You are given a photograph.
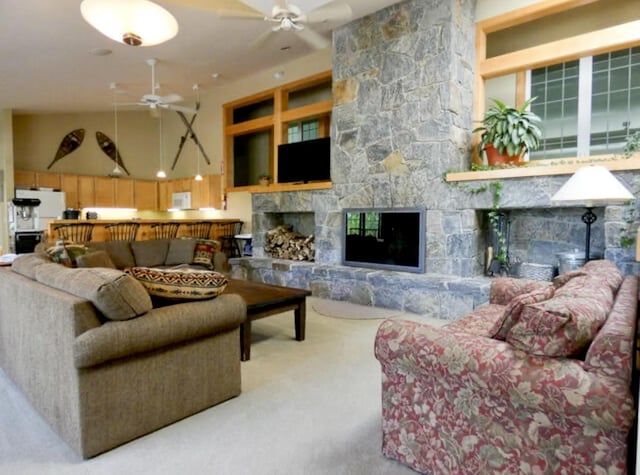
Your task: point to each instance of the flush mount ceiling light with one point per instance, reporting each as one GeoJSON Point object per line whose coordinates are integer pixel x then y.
{"type": "Point", "coordinates": [132, 22]}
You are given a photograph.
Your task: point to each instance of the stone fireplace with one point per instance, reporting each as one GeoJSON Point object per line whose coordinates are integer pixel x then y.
{"type": "Point", "coordinates": [403, 94]}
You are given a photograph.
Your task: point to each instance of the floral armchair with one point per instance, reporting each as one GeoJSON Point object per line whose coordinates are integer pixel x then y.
{"type": "Point", "coordinates": [536, 381]}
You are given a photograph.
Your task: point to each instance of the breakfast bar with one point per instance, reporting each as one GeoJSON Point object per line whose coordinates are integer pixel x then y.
{"type": "Point", "coordinates": [146, 229]}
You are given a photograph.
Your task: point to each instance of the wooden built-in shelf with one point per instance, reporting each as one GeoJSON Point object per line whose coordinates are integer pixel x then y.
{"type": "Point", "coordinates": [551, 167]}
{"type": "Point", "coordinates": [279, 187]}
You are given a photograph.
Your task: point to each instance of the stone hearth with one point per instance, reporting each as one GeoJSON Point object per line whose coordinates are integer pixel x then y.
{"type": "Point", "coordinates": [403, 94]}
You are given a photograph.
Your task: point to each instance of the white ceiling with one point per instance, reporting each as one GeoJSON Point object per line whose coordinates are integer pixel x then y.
{"type": "Point", "coordinates": [46, 64]}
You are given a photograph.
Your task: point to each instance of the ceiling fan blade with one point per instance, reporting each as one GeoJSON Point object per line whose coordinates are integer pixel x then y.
{"type": "Point", "coordinates": [169, 98]}
{"type": "Point", "coordinates": [313, 38]}
{"type": "Point", "coordinates": [264, 38]}
{"type": "Point", "coordinates": [329, 12]}
{"type": "Point", "coordinates": [183, 109]}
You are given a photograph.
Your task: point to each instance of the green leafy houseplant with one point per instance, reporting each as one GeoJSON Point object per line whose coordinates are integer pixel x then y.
{"type": "Point", "coordinates": [511, 131]}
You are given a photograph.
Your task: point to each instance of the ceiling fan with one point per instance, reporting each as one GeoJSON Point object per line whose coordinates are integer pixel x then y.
{"type": "Point", "coordinates": [155, 101]}
{"type": "Point", "coordinates": [285, 16]}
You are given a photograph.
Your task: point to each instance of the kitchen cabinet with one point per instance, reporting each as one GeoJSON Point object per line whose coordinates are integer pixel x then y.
{"type": "Point", "coordinates": [104, 192]}
{"type": "Point", "coordinates": [27, 179]}
{"type": "Point", "coordinates": [145, 194]}
{"type": "Point", "coordinates": [86, 191]}
{"type": "Point", "coordinates": [124, 192]}
{"type": "Point", "coordinates": [69, 184]}
{"type": "Point", "coordinates": [22, 179]}
{"type": "Point", "coordinates": [164, 201]}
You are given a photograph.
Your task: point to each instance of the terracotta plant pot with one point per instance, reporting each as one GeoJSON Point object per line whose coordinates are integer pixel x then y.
{"type": "Point", "coordinates": [495, 159]}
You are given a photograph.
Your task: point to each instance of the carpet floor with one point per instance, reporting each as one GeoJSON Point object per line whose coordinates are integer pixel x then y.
{"type": "Point", "coordinates": [310, 407]}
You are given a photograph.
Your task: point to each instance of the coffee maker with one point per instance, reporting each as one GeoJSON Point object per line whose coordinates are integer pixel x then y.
{"type": "Point", "coordinates": [24, 225]}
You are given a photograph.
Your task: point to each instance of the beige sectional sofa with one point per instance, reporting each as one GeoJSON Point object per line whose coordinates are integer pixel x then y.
{"type": "Point", "coordinates": [100, 364]}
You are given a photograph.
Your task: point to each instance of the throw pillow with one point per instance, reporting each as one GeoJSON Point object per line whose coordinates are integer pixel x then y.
{"type": "Point", "coordinates": [558, 327]}
{"type": "Point", "coordinates": [66, 253]}
{"type": "Point", "coordinates": [150, 253]}
{"type": "Point", "coordinates": [606, 271]}
{"type": "Point", "coordinates": [95, 259]}
{"type": "Point", "coordinates": [184, 284]}
{"type": "Point", "coordinates": [513, 310]}
{"type": "Point", "coordinates": [204, 253]}
{"type": "Point", "coordinates": [116, 295]}
{"type": "Point", "coordinates": [180, 252]}
{"type": "Point", "coordinates": [562, 279]}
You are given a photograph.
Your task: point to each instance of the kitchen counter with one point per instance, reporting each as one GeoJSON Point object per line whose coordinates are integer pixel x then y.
{"type": "Point", "coordinates": [145, 232]}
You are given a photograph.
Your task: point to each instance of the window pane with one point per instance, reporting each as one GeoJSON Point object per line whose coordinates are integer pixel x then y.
{"type": "Point", "coordinates": [615, 111]}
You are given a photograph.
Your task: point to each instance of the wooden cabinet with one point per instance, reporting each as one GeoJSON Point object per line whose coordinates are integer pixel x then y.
{"type": "Point", "coordinates": [204, 194]}
{"type": "Point", "coordinates": [86, 191]}
{"type": "Point", "coordinates": [124, 193]}
{"type": "Point", "coordinates": [69, 184]}
{"type": "Point", "coordinates": [105, 193]}
{"type": "Point", "coordinates": [26, 179]}
{"type": "Point", "coordinates": [164, 198]}
{"type": "Point", "coordinates": [145, 194]}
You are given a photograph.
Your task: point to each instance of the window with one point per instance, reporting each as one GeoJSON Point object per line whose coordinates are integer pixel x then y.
{"type": "Point", "coordinates": [588, 106]}
{"type": "Point", "coordinates": [303, 130]}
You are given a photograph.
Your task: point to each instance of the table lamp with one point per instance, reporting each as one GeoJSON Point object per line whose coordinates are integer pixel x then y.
{"type": "Point", "coordinates": [592, 185]}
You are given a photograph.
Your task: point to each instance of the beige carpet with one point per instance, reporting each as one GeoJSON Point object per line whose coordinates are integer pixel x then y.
{"type": "Point", "coordinates": [310, 407]}
{"type": "Point", "coordinates": [337, 309]}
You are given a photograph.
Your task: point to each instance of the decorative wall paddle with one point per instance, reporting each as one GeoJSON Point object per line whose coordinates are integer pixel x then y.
{"type": "Point", "coordinates": [69, 143]}
{"type": "Point", "coordinates": [109, 148]}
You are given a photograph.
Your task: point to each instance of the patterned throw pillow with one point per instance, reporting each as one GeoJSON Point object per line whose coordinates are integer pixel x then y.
{"type": "Point", "coordinates": [558, 327]}
{"type": "Point", "coordinates": [513, 310]}
{"type": "Point", "coordinates": [66, 253]}
{"type": "Point", "coordinates": [183, 284]}
{"type": "Point", "coordinates": [204, 252]}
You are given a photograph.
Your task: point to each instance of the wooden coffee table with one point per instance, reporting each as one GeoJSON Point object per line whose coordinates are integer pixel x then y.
{"type": "Point", "coordinates": [264, 300]}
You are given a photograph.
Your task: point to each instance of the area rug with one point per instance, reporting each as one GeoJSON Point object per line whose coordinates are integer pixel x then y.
{"type": "Point", "coordinates": [338, 309]}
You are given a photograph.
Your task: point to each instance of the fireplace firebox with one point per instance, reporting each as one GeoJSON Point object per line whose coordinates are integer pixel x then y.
{"type": "Point", "coordinates": [390, 238]}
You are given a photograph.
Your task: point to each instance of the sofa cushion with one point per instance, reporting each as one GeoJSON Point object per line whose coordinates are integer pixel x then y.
{"type": "Point", "coordinates": [66, 253]}
{"type": "Point", "coordinates": [119, 252]}
{"type": "Point", "coordinates": [560, 326]}
{"type": "Point", "coordinates": [150, 253]}
{"type": "Point", "coordinates": [115, 294]}
{"type": "Point", "coordinates": [562, 279]}
{"type": "Point", "coordinates": [95, 259]}
{"type": "Point", "coordinates": [513, 310]}
{"type": "Point", "coordinates": [181, 284]}
{"type": "Point", "coordinates": [180, 252]}
{"type": "Point", "coordinates": [204, 253]}
{"type": "Point", "coordinates": [25, 264]}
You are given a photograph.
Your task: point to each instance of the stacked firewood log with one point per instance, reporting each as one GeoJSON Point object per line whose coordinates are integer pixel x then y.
{"type": "Point", "coordinates": [284, 243]}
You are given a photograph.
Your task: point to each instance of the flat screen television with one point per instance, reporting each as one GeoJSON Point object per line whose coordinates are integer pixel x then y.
{"type": "Point", "coordinates": [305, 161]}
{"type": "Point", "coordinates": [389, 238]}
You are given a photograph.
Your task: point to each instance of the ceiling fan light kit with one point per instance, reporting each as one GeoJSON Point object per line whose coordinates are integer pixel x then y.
{"type": "Point", "coordinates": [131, 22]}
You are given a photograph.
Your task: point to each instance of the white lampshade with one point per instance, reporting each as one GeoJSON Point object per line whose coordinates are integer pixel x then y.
{"type": "Point", "coordinates": [591, 186]}
{"type": "Point", "coordinates": [132, 22]}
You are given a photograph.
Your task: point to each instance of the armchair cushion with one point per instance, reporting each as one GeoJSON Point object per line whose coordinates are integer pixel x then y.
{"type": "Point", "coordinates": [513, 310]}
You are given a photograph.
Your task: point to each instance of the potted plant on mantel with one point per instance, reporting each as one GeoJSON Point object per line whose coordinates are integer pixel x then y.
{"type": "Point", "coordinates": [264, 180]}
{"type": "Point", "coordinates": [508, 133]}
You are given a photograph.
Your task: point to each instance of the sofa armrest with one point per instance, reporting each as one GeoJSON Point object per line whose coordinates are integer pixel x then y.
{"type": "Point", "coordinates": [504, 289]}
{"type": "Point", "coordinates": [493, 369]}
{"type": "Point", "coordinates": [159, 328]}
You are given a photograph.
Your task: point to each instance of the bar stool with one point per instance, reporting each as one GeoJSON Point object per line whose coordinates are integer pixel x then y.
{"type": "Point", "coordinates": [226, 233]}
{"type": "Point", "coordinates": [165, 230]}
{"type": "Point", "coordinates": [122, 231]}
{"type": "Point", "coordinates": [74, 232]}
{"type": "Point", "coordinates": [199, 229]}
